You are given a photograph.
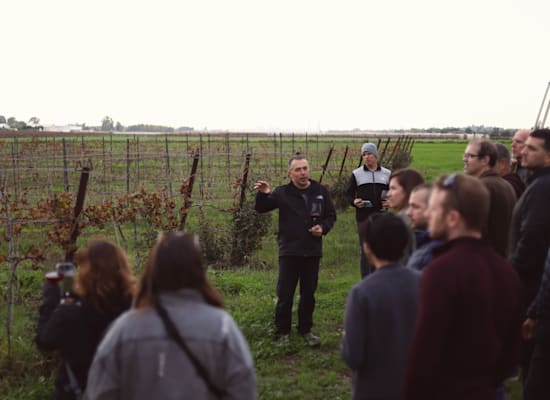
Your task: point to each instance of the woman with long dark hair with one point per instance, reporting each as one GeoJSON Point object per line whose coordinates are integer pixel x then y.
{"type": "Point", "coordinates": [177, 342]}
{"type": "Point", "coordinates": [74, 324]}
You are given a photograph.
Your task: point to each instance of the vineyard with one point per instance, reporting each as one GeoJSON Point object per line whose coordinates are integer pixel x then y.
{"type": "Point", "coordinates": [56, 192]}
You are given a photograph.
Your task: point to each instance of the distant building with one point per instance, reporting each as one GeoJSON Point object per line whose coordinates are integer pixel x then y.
{"type": "Point", "coordinates": [63, 128]}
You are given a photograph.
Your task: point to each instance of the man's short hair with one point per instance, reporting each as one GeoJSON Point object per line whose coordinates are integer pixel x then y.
{"type": "Point", "coordinates": [295, 157]}
{"type": "Point", "coordinates": [386, 235]}
{"type": "Point", "coordinates": [503, 153]}
{"type": "Point", "coordinates": [469, 196]}
{"type": "Point", "coordinates": [487, 149]}
{"type": "Point", "coordinates": [427, 186]}
{"type": "Point", "coordinates": [543, 134]}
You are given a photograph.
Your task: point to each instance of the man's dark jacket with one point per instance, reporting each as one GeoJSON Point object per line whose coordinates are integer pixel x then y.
{"type": "Point", "coordinates": [530, 232]}
{"type": "Point", "coordinates": [295, 218]}
{"type": "Point", "coordinates": [503, 200]}
{"type": "Point", "coordinates": [467, 334]}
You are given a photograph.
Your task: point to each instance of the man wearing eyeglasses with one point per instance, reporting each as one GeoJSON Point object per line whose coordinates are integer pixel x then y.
{"type": "Point", "coordinates": [530, 229]}
{"type": "Point", "coordinates": [480, 159]}
{"type": "Point", "coordinates": [466, 340]}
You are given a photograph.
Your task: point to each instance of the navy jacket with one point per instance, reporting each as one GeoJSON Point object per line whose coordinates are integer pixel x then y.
{"type": "Point", "coordinates": [295, 217]}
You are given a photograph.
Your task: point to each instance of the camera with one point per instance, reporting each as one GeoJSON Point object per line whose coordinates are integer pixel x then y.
{"type": "Point", "coordinates": [64, 273]}
{"type": "Point", "coordinates": [315, 211]}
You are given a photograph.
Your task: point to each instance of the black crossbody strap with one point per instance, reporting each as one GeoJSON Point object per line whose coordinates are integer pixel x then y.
{"type": "Point", "coordinates": [174, 334]}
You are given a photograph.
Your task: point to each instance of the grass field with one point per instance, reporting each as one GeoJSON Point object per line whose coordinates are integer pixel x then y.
{"type": "Point", "coordinates": [286, 369]}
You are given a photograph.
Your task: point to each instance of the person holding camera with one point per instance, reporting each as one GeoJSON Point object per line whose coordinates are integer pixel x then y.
{"type": "Point", "coordinates": [306, 213]}
{"type": "Point", "coordinates": [74, 317]}
{"type": "Point", "coordinates": [177, 342]}
{"type": "Point", "coordinates": [366, 192]}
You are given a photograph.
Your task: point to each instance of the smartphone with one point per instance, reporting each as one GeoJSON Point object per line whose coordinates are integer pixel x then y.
{"type": "Point", "coordinates": [367, 203]}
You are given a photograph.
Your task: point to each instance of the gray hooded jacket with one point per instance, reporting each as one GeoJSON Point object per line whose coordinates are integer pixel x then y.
{"type": "Point", "coordinates": [138, 360]}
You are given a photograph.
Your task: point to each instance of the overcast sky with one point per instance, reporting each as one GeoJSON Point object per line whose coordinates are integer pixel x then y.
{"type": "Point", "coordinates": [285, 65]}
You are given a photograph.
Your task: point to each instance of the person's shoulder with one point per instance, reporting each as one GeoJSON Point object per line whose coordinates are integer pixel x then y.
{"type": "Point", "coordinates": [385, 170]}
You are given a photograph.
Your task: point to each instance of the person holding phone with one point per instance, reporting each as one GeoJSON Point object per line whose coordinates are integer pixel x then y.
{"type": "Point", "coordinates": [364, 191]}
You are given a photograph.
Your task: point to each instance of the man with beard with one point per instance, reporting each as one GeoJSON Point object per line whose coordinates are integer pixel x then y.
{"type": "Point", "coordinates": [530, 228]}
{"type": "Point", "coordinates": [418, 214]}
{"type": "Point", "coordinates": [466, 339]}
{"type": "Point", "coordinates": [479, 159]}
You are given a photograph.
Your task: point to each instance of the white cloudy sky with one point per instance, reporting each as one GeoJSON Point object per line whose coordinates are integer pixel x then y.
{"type": "Point", "coordinates": [275, 65]}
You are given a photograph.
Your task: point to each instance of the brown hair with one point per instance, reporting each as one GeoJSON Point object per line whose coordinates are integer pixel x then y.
{"type": "Point", "coordinates": [487, 149]}
{"type": "Point", "coordinates": [105, 279]}
{"type": "Point", "coordinates": [408, 178]}
{"type": "Point", "coordinates": [175, 262]}
{"type": "Point", "coordinates": [469, 196]}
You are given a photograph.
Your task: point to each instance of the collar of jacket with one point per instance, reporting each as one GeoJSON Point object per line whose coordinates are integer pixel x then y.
{"type": "Point", "coordinates": [292, 188]}
{"type": "Point", "coordinates": [489, 172]}
{"type": "Point", "coordinates": [365, 168]}
{"type": "Point", "coordinates": [538, 173]}
{"type": "Point", "coordinates": [460, 241]}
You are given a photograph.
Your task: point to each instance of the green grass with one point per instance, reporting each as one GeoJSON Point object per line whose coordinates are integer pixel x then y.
{"type": "Point", "coordinates": [286, 369]}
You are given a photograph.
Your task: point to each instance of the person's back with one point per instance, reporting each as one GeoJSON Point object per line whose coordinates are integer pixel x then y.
{"type": "Point", "coordinates": [386, 307]}
{"type": "Point", "coordinates": [503, 200]}
{"type": "Point", "coordinates": [476, 314]}
{"type": "Point", "coordinates": [381, 312]}
{"type": "Point", "coordinates": [178, 342]}
{"type": "Point", "coordinates": [144, 362]}
{"type": "Point", "coordinates": [74, 325]}
{"type": "Point", "coordinates": [466, 340]}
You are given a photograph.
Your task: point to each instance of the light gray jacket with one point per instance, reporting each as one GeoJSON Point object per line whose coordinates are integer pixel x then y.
{"type": "Point", "coordinates": [138, 360]}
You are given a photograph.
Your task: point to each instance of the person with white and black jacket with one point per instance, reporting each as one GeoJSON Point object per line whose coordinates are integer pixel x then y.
{"type": "Point", "coordinates": [365, 190]}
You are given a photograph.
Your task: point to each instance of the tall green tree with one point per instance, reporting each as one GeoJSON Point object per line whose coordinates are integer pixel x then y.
{"type": "Point", "coordinates": [2, 119]}
{"type": "Point", "coordinates": [34, 121]}
{"type": "Point", "coordinates": [107, 124]}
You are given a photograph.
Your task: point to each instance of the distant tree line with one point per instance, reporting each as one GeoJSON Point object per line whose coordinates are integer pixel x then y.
{"type": "Point", "coordinates": [13, 123]}
{"type": "Point", "coordinates": [108, 125]}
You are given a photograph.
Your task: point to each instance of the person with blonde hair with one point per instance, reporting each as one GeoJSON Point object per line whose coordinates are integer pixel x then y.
{"type": "Point", "coordinates": [178, 342]}
{"type": "Point", "coordinates": [73, 323]}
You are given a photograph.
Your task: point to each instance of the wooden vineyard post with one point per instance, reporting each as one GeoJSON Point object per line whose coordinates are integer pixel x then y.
{"type": "Point", "coordinates": [65, 166]}
{"type": "Point", "coordinates": [343, 162]}
{"type": "Point", "coordinates": [75, 231]}
{"type": "Point", "coordinates": [381, 158]}
{"type": "Point", "coordinates": [244, 180]}
{"type": "Point", "coordinates": [188, 191]}
{"type": "Point", "coordinates": [168, 169]}
{"type": "Point", "coordinates": [325, 165]}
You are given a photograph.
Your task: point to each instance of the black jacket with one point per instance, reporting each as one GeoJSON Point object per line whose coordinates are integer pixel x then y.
{"type": "Point", "coordinates": [74, 330]}
{"type": "Point", "coordinates": [295, 217]}
{"type": "Point", "coordinates": [530, 232]}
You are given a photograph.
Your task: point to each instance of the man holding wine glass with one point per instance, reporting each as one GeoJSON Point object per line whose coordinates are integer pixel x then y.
{"type": "Point", "coordinates": [306, 213]}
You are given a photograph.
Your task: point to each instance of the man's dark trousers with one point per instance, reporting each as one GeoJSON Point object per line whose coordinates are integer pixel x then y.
{"type": "Point", "coordinates": [291, 270]}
